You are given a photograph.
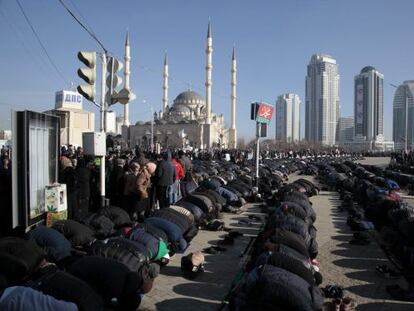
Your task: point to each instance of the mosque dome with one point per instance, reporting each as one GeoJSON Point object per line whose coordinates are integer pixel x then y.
{"type": "Point", "coordinates": [190, 99]}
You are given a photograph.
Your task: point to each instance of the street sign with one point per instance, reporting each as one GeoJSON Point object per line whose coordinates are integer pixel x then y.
{"type": "Point", "coordinates": [264, 113]}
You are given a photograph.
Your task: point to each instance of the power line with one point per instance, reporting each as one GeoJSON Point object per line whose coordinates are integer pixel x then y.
{"type": "Point", "coordinates": [83, 26]}
{"type": "Point", "coordinates": [83, 17]}
{"type": "Point", "coordinates": [30, 51]}
{"type": "Point", "coordinates": [41, 44]}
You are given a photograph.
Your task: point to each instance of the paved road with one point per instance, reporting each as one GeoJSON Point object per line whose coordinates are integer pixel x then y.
{"type": "Point", "coordinates": [347, 265]}
{"type": "Point", "coordinates": [173, 292]}
{"type": "Point", "coordinates": [341, 263]}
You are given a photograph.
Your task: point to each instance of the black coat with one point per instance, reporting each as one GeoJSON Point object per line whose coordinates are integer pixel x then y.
{"type": "Point", "coordinates": [110, 279]}
{"type": "Point", "coordinates": [64, 286]}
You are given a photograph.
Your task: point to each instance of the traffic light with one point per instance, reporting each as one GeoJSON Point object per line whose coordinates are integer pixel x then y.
{"type": "Point", "coordinates": [88, 74]}
{"type": "Point", "coordinates": [253, 110]}
{"type": "Point", "coordinates": [113, 80]}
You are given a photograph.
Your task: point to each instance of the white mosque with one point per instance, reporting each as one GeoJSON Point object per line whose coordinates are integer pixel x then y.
{"type": "Point", "coordinates": [190, 120]}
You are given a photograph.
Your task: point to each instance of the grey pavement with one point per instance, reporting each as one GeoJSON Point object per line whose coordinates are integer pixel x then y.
{"type": "Point", "coordinates": [347, 265]}
{"type": "Point", "coordinates": [350, 266]}
{"type": "Point", "coordinates": [174, 292]}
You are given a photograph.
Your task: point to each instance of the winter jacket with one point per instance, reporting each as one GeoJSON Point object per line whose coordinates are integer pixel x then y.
{"type": "Point", "coordinates": [143, 183]}
{"type": "Point", "coordinates": [175, 217]}
{"type": "Point", "coordinates": [290, 239]}
{"type": "Point", "coordinates": [294, 209]}
{"type": "Point", "coordinates": [110, 279]}
{"type": "Point", "coordinates": [101, 224]}
{"type": "Point", "coordinates": [288, 263]}
{"type": "Point", "coordinates": [203, 202]}
{"type": "Point", "coordinates": [174, 233]}
{"type": "Point", "coordinates": [61, 285]}
{"type": "Point", "coordinates": [183, 211]}
{"type": "Point", "coordinates": [77, 233]}
{"type": "Point", "coordinates": [280, 287]}
{"type": "Point", "coordinates": [187, 187]}
{"type": "Point", "coordinates": [119, 217]}
{"type": "Point", "coordinates": [150, 242]}
{"type": "Point", "coordinates": [186, 163]}
{"type": "Point", "coordinates": [179, 170]}
{"type": "Point", "coordinates": [20, 298]}
{"type": "Point", "coordinates": [198, 214]}
{"type": "Point", "coordinates": [166, 173]}
{"type": "Point", "coordinates": [154, 231]}
{"type": "Point", "coordinates": [18, 258]}
{"type": "Point", "coordinates": [122, 250]}
{"type": "Point", "coordinates": [53, 242]}
{"type": "Point", "coordinates": [227, 194]}
{"type": "Point", "coordinates": [130, 184]}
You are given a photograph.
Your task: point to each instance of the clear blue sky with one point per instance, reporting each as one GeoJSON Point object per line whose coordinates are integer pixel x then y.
{"type": "Point", "coordinates": [274, 42]}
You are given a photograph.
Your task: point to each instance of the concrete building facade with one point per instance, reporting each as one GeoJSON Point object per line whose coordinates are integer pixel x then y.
{"type": "Point", "coordinates": [403, 114]}
{"type": "Point", "coordinates": [73, 119]}
{"type": "Point", "coordinates": [288, 118]}
{"type": "Point", "coordinates": [322, 103]}
{"type": "Point", "coordinates": [345, 129]}
{"type": "Point", "coordinates": [369, 105]}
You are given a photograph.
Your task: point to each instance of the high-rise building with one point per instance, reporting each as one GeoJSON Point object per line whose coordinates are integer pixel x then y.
{"type": "Point", "coordinates": [345, 129]}
{"type": "Point", "coordinates": [369, 105]}
{"type": "Point", "coordinates": [287, 118]}
{"type": "Point", "coordinates": [403, 102]}
{"type": "Point", "coordinates": [322, 100]}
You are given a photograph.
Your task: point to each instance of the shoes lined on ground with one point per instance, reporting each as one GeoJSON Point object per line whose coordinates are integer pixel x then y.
{"type": "Point", "coordinates": [214, 250]}
{"type": "Point", "coordinates": [215, 225]}
{"type": "Point", "coordinates": [387, 272]}
{"type": "Point", "coordinates": [245, 222]}
{"type": "Point", "coordinates": [333, 291]}
{"type": "Point", "coordinates": [348, 304]}
{"type": "Point", "coordinates": [254, 217]}
{"type": "Point", "coordinates": [235, 234]}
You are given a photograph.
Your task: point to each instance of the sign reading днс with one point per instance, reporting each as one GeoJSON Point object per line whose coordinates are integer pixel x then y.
{"type": "Point", "coordinates": [68, 99]}
{"type": "Point", "coordinates": [261, 112]}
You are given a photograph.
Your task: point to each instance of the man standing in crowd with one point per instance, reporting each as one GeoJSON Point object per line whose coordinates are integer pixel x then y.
{"type": "Point", "coordinates": [166, 176]}
{"type": "Point", "coordinates": [185, 162]}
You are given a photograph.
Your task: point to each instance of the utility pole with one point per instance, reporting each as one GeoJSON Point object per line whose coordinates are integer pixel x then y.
{"type": "Point", "coordinates": [406, 120]}
{"type": "Point", "coordinates": [103, 127]}
{"type": "Point", "coordinates": [257, 152]}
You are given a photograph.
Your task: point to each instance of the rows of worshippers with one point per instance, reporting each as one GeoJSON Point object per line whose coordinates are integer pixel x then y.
{"type": "Point", "coordinates": [108, 257]}
{"type": "Point", "coordinates": [371, 197]}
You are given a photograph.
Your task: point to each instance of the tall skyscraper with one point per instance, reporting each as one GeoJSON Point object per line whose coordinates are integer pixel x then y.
{"type": "Point", "coordinates": [345, 129]}
{"type": "Point", "coordinates": [287, 118]}
{"type": "Point", "coordinates": [322, 100]}
{"type": "Point", "coordinates": [403, 102]}
{"type": "Point", "coordinates": [369, 105]}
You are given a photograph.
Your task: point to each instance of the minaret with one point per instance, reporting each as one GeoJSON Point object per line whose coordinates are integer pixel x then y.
{"type": "Point", "coordinates": [127, 73]}
{"type": "Point", "coordinates": [209, 66]}
{"type": "Point", "coordinates": [232, 130]}
{"type": "Point", "coordinates": [165, 87]}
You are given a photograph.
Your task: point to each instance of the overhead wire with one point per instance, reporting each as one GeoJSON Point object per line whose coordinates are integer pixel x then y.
{"type": "Point", "coordinates": [83, 17]}
{"type": "Point", "coordinates": [41, 43]}
{"type": "Point", "coordinates": [17, 35]}
{"type": "Point", "coordinates": [91, 33]}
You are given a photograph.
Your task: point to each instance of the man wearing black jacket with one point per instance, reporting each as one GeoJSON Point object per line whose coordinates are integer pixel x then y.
{"type": "Point", "coordinates": [166, 176]}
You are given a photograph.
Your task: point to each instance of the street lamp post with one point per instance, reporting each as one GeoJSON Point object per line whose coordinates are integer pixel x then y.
{"type": "Point", "coordinates": [152, 125]}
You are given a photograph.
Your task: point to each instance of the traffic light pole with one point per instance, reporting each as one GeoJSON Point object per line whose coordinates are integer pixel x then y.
{"type": "Point", "coordinates": [103, 127]}
{"type": "Point", "coordinates": [257, 152]}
